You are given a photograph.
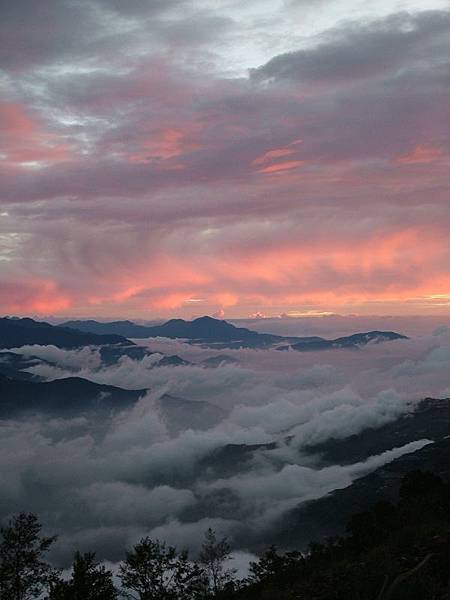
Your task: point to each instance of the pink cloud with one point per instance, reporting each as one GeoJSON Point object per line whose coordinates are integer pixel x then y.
{"type": "Point", "coordinates": [282, 166]}
{"type": "Point", "coordinates": [138, 182]}
{"type": "Point", "coordinates": [421, 154]}
{"type": "Point", "coordinates": [25, 141]}
{"type": "Point", "coordinates": [33, 296]}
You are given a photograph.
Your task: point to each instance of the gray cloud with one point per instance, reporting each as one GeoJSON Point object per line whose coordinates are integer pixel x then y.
{"type": "Point", "coordinates": [355, 51]}
{"type": "Point", "coordinates": [32, 34]}
{"type": "Point", "coordinates": [274, 493]}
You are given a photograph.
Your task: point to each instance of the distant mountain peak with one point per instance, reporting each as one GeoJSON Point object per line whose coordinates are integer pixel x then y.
{"type": "Point", "coordinates": [26, 331]}
{"type": "Point", "coordinates": [208, 319]}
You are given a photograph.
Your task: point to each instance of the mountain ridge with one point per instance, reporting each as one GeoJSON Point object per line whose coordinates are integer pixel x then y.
{"type": "Point", "coordinates": [202, 328]}
{"type": "Point", "coordinates": [61, 396]}
{"type": "Point", "coordinates": [15, 333]}
{"type": "Point", "coordinates": [327, 516]}
{"type": "Point", "coordinates": [209, 330]}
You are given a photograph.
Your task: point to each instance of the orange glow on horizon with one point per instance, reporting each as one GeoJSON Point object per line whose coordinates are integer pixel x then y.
{"type": "Point", "coordinates": [39, 297]}
{"type": "Point", "coordinates": [323, 275]}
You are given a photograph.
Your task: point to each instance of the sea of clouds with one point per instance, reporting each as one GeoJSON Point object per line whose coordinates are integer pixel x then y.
{"type": "Point", "coordinates": [101, 484]}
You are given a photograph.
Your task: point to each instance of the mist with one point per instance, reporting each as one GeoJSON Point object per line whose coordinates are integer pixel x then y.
{"type": "Point", "coordinates": [103, 483]}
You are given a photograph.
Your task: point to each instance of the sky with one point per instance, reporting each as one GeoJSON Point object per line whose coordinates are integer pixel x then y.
{"type": "Point", "coordinates": [167, 158]}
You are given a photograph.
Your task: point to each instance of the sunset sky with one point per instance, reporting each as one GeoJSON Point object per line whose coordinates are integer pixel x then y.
{"type": "Point", "coordinates": [167, 158]}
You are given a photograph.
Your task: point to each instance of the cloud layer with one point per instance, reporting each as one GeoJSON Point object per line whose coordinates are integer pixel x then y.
{"type": "Point", "coordinates": [102, 483]}
{"type": "Point", "coordinates": [166, 157]}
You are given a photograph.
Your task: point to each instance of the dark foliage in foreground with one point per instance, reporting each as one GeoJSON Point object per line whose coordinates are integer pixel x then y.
{"type": "Point", "coordinates": [152, 571]}
{"type": "Point", "coordinates": [391, 552]}
{"type": "Point", "coordinates": [89, 580]}
{"type": "Point", "coordinates": [24, 573]}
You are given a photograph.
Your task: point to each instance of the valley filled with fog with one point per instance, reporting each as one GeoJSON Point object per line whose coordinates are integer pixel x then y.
{"type": "Point", "coordinates": [223, 438]}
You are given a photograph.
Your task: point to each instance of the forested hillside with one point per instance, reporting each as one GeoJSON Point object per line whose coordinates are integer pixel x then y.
{"type": "Point", "coordinates": [390, 552]}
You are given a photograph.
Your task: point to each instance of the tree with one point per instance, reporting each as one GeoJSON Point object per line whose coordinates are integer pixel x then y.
{"type": "Point", "coordinates": [272, 565]}
{"type": "Point", "coordinates": [154, 571]}
{"type": "Point", "coordinates": [369, 527]}
{"type": "Point", "coordinates": [213, 556]}
{"type": "Point", "coordinates": [89, 581]}
{"type": "Point", "coordinates": [23, 571]}
{"type": "Point", "coordinates": [419, 483]}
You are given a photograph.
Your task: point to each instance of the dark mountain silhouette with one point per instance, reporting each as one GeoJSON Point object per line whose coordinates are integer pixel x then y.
{"type": "Point", "coordinates": [220, 333]}
{"type": "Point", "coordinates": [13, 365]}
{"type": "Point", "coordinates": [369, 337]}
{"type": "Point", "coordinates": [111, 354]}
{"type": "Point", "coordinates": [21, 332]}
{"type": "Point", "coordinates": [231, 459]}
{"type": "Point", "coordinates": [179, 414]}
{"type": "Point", "coordinates": [61, 396]}
{"type": "Point", "coordinates": [126, 329]}
{"type": "Point", "coordinates": [357, 340]}
{"type": "Point", "coordinates": [207, 328]}
{"type": "Point", "coordinates": [201, 329]}
{"type": "Point", "coordinates": [430, 419]}
{"type": "Point", "coordinates": [328, 516]}
{"type": "Point", "coordinates": [172, 361]}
